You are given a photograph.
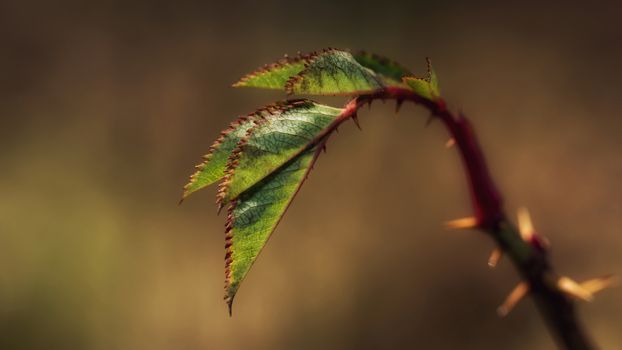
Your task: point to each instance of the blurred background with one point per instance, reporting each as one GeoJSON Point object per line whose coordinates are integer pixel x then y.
{"type": "Point", "coordinates": [106, 106]}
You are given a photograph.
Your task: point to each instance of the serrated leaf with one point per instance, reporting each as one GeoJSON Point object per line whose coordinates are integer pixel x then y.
{"type": "Point", "coordinates": [388, 70]}
{"type": "Point", "coordinates": [215, 164]}
{"type": "Point", "coordinates": [276, 138]}
{"type": "Point", "coordinates": [420, 86]}
{"type": "Point", "coordinates": [215, 161]}
{"type": "Point", "coordinates": [327, 72]}
{"type": "Point", "coordinates": [275, 75]}
{"type": "Point", "coordinates": [425, 87]}
{"type": "Point", "coordinates": [333, 72]}
{"type": "Point", "coordinates": [254, 215]}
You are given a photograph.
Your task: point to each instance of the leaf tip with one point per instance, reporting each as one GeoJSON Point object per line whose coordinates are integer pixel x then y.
{"type": "Point", "coordinates": [187, 191]}
{"type": "Point", "coordinates": [229, 301]}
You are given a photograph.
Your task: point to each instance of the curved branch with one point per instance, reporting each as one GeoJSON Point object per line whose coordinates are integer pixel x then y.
{"type": "Point", "coordinates": [530, 257]}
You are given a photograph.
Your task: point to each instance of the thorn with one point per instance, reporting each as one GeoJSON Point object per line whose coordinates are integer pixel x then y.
{"type": "Point", "coordinates": [369, 104]}
{"type": "Point", "coordinates": [516, 295]}
{"type": "Point", "coordinates": [525, 226]}
{"type": "Point", "coordinates": [494, 258]}
{"type": "Point", "coordinates": [464, 223]}
{"type": "Point", "coordinates": [220, 206]}
{"type": "Point", "coordinates": [595, 285]}
{"type": "Point", "coordinates": [398, 104]}
{"type": "Point", "coordinates": [572, 288]}
{"type": "Point", "coordinates": [428, 62]}
{"type": "Point", "coordinates": [450, 143]}
{"type": "Point", "coordinates": [337, 129]}
{"type": "Point", "coordinates": [528, 233]}
{"type": "Point", "coordinates": [429, 121]}
{"type": "Point", "coordinates": [324, 148]}
{"type": "Point", "coordinates": [355, 119]}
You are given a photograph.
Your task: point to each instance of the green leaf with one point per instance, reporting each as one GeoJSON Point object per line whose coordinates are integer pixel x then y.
{"type": "Point", "coordinates": [425, 87]}
{"type": "Point", "coordinates": [254, 215]}
{"type": "Point", "coordinates": [277, 137]}
{"type": "Point", "coordinates": [328, 72]}
{"type": "Point", "coordinates": [420, 86]}
{"type": "Point", "coordinates": [215, 161]}
{"type": "Point", "coordinates": [388, 70]}
{"type": "Point", "coordinates": [333, 72]}
{"type": "Point", "coordinates": [275, 75]}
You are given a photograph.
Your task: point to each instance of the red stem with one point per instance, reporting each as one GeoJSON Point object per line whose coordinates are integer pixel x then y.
{"type": "Point", "coordinates": [530, 258]}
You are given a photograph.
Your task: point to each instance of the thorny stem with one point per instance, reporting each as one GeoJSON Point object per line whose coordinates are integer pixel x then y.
{"type": "Point", "coordinates": [530, 258]}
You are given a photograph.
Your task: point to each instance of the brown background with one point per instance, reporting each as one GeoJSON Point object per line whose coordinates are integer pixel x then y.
{"type": "Point", "coordinates": [105, 106]}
